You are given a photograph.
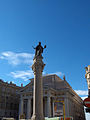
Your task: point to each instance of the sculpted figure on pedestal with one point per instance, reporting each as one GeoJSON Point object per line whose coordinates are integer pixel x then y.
{"type": "Point", "coordinates": [39, 49]}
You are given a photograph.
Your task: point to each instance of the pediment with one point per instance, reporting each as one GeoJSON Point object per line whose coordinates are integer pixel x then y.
{"type": "Point", "coordinates": [27, 88]}
{"type": "Point", "coordinates": [49, 81]}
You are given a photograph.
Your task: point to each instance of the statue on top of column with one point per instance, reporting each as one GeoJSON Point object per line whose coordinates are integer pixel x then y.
{"type": "Point", "coordinates": [39, 49]}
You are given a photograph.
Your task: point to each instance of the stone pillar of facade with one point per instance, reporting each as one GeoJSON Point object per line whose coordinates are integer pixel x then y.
{"type": "Point", "coordinates": [45, 107]}
{"type": "Point", "coordinates": [29, 108]}
{"type": "Point", "coordinates": [53, 107]}
{"type": "Point", "coordinates": [38, 67]}
{"type": "Point", "coordinates": [66, 101]}
{"type": "Point", "coordinates": [21, 106]}
{"type": "Point", "coordinates": [48, 106]}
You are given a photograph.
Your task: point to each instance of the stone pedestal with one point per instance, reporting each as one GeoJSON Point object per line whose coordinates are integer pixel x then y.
{"type": "Point", "coordinates": [38, 67]}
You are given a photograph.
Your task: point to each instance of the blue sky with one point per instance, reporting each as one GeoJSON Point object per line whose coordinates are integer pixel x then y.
{"type": "Point", "coordinates": [63, 25]}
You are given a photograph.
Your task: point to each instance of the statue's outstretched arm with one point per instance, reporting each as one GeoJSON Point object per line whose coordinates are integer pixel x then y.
{"type": "Point", "coordinates": [44, 46]}
{"type": "Point", "coordinates": [33, 47]}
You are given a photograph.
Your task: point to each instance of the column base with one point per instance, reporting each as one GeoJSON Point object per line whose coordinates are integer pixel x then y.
{"type": "Point", "coordinates": [37, 117]}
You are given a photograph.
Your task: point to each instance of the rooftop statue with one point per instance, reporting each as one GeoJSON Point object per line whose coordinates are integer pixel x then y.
{"type": "Point", "coordinates": [64, 77]}
{"type": "Point", "coordinates": [39, 49]}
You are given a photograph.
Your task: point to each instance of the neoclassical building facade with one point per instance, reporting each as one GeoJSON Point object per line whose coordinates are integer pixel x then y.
{"type": "Point", "coordinates": [55, 90]}
{"type": "Point", "coordinates": [58, 98]}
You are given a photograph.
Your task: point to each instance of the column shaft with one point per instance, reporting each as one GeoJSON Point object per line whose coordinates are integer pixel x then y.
{"type": "Point", "coordinates": [29, 109]}
{"type": "Point", "coordinates": [53, 108]}
{"type": "Point", "coordinates": [66, 107]}
{"type": "Point", "coordinates": [48, 107]}
{"type": "Point", "coordinates": [21, 107]}
{"type": "Point", "coordinates": [45, 107]}
{"type": "Point", "coordinates": [38, 67]}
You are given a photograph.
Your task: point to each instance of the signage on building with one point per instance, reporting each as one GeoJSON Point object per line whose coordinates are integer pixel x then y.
{"type": "Point", "coordinates": [67, 118]}
{"type": "Point", "coordinates": [87, 102]}
{"type": "Point", "coordinates": [59, 118]}
{"type": "Point", "coordinates": [58, 109]}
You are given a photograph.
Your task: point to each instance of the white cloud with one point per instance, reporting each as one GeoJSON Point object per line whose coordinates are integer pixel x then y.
{"type": "Point", "coordinates": [17, 58]}
{"type": "Point", "coordinates": [81, 92]}
{"type": "Point", "coordinates": [84, 97]}
{"type": "Point", "coordinates": [25, 75]}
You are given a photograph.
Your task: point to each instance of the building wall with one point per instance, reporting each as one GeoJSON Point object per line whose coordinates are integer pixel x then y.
{"type": "Point", "coordinates": [14, 100]}
{"type": "Point", "coordinates": [9, 100]}
{"type": "Point", "coordinates": [56, 89]}
{"type": "Point", "coordinates": [73, 105]}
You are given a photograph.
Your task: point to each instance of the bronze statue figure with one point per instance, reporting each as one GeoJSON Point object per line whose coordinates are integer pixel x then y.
{"type": "Point", "coordinates": [39, 49]}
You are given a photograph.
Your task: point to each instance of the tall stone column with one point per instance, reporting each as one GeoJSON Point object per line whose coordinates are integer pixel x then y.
{"type": "Point", "coordinates": [53, 107]}
{"type": "Point", "coordinates": [48, 106]}
{"type": "Point", "coordinates": [38, 67]}
{"type": "Point", "coordinates": [45, 107]}
{"type": "Point", "coordinates": [21, 106]}
{"type": "Point", "coordinates": [29, 108]}
{"type": "Point", "coordinates": [66, 101]}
